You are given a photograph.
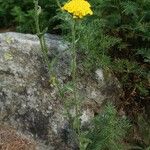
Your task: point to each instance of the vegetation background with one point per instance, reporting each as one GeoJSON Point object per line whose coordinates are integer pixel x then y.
{"type": "Point", "coordinates": [116, 38]}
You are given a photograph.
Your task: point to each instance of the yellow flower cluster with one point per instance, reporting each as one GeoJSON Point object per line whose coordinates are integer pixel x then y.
{"type": "Point", "coordinates": [79, 8]}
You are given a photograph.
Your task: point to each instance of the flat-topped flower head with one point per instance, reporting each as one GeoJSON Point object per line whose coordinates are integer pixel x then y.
{"type": "Point", "coordinates": [78, 8]}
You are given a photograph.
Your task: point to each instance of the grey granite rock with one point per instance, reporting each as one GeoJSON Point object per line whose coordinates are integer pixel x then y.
{"type": "Point", "coordinates": [27, 101]}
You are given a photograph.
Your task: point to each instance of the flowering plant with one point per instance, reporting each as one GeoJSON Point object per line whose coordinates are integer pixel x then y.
{"type": "Point", "coordinates": [79, 8]}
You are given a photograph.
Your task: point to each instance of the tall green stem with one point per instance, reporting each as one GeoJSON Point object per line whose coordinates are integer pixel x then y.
{"type": "Point", "coordinates": [74, 68]}
{"type": "Point", "coordinates": [44, 47]}
{"type": "Point", "coordinates": [41, 35]}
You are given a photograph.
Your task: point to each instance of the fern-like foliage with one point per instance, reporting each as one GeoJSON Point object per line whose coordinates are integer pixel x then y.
{"type": "Point", "coordinates": [144, 129]}
{"type": "Point", "coordinates": [117, 38]}
{"type": "Point", "coordinates": [108, 130]}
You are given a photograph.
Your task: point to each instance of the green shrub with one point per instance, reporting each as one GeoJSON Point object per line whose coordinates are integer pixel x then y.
{"type": "Point", "coordinates": [19, 14]}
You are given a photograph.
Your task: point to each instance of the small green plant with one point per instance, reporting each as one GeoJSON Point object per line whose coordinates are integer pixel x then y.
{"type": "Point", "coordinates": [108, 130]}
{"type": "Point", "coordinates": [72, 89]}
{"type": "Point", "coordinates": [77, 12]}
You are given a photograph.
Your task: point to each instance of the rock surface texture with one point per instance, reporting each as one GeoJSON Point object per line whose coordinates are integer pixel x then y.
{"type": "Point", "coordinates": [28, 102]}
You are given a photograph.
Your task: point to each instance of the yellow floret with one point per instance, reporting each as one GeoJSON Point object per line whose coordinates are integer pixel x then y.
{"type": "Point", "coordinates": [79, 8]}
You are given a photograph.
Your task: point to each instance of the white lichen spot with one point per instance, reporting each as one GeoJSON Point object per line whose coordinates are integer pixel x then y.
{"type": "Point", "coordinates": [93, 94]}
{"type": "Point", "coordinates": [86, 116]}
{"type": "Point", "coordinates": [99, 74]}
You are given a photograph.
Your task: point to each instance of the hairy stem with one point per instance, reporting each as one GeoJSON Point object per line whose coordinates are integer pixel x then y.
{"type": "Point", "coordinates": [41, 36]}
